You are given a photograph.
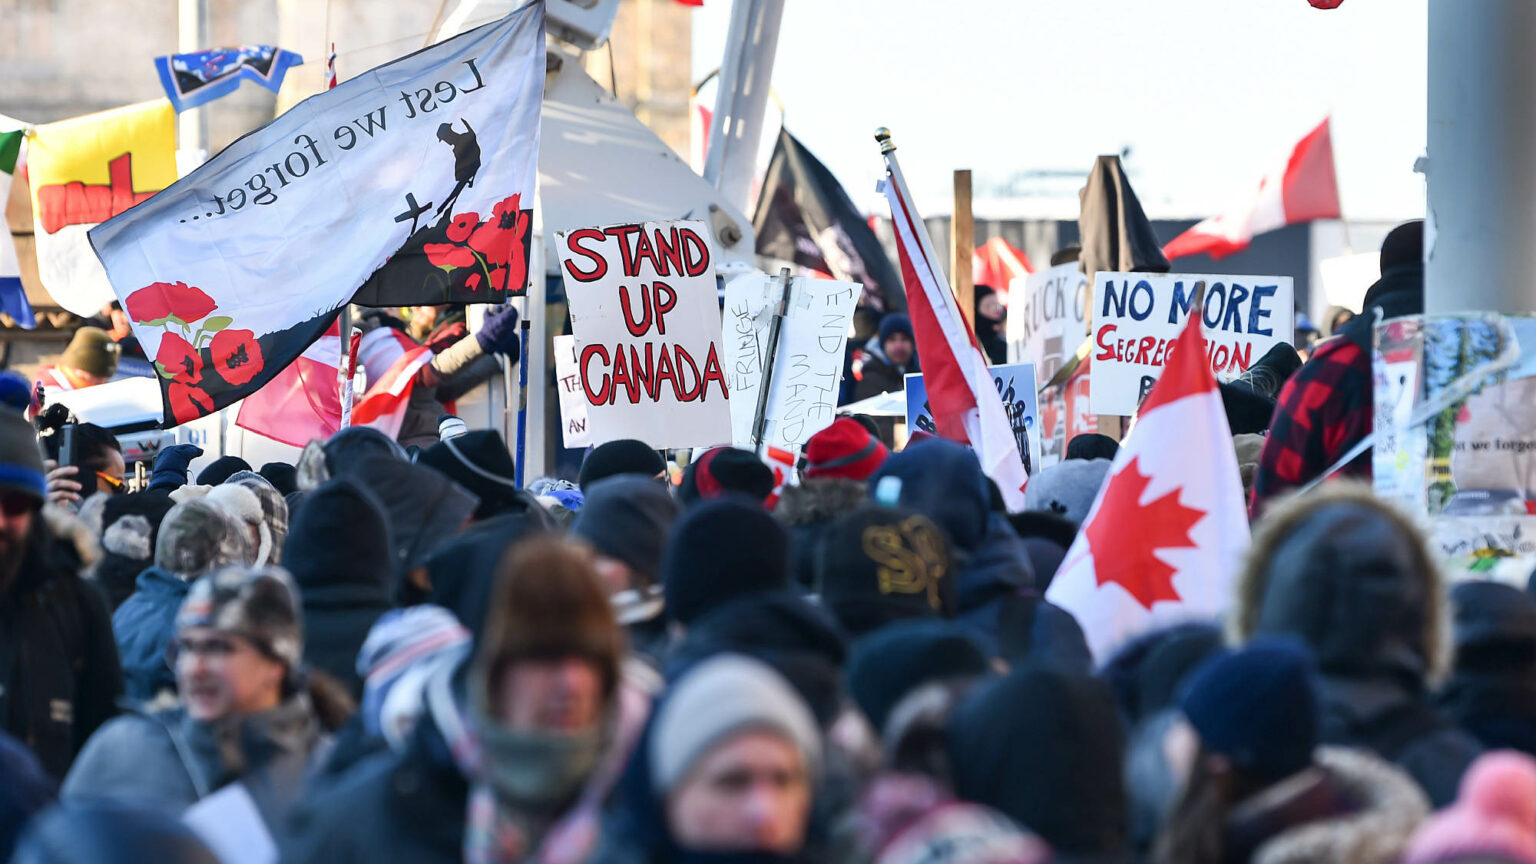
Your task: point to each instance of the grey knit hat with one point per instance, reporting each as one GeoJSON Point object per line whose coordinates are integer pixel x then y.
{"type": "Point", "coordinates": [257, 603]}
{"type": "Point", "coordinates": [720, 697]}
{"type": "Point", "coordinates": [1068, 488]}
{"type": "Point", "coordinates": [198, 536]}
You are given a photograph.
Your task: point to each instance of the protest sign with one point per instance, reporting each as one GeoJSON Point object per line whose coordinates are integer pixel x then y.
{"type": "Point", "coordinates": [1137, 317]}
{"type": "Point", "coordinates": [646, 317]}
{"type": "Point", "coordinates": [233, 270]}
{"type": "Point", "coordinates": [1047, 318]}
{"type": "Point", "coordinates": [802, 390]}
{"type": "Point", "coordinates": [1015, 384]}
{"type": "Point", "coordinates": [1064, 413]}
{"type": "Point", "coordinates": [573, 402]}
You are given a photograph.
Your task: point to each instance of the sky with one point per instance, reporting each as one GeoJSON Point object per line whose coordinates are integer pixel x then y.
{"type": "Point", "coordinates": [1207, 94]}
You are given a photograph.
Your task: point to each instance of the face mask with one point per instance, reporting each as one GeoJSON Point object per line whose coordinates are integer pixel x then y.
{"type": "Point", "coordinates": [534, 767]}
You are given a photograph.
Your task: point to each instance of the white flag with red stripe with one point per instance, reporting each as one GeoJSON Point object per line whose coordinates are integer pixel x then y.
{"type": "Point", "coordinates": [1166, 535]}
{"type": "Point", "coordinates": [303, 402]}
{"type": "Point", "coordinates": [964, 400]}
{"type": "Point", "coordinates": [1302, 188]}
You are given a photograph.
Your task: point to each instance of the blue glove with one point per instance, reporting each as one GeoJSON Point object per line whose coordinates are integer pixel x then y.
{"type": "Point", "coordinates": [171, 465]}
{"type": "Point", "coordinates": [498, 335]}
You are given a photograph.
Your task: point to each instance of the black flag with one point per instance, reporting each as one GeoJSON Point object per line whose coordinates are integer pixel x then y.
{"type": "Point", "coordinates": [1116, 235]}
{"type": "Point", "coordinates": [803, 215]}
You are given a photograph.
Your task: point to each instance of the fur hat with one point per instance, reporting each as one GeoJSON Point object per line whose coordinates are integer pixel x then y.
{"type": "Point", "coordinates": [274, 512]}
{"type": "Point", "coordinates": [258, 603]}
{"type": "Point", "coordinates": [197, 536]}
{"type": "Point", "coordinates": [242, 503]}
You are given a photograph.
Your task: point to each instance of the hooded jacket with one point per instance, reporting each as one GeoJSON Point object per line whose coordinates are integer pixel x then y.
{"type": "Point", "coordinates": [168, 761]}
{"type": "Point", "coordinates": [1352, 578]}
{"type": "Point", "coordinates": [59, 673]}
{"type": "Point", "coordinates": [338, 551]}
{"type": "Point", "coordinates": [144, 625]}
{"type": "Point", "coordinates": [1491, 692]}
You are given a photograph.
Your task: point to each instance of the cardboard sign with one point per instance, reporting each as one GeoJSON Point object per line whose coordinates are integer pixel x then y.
{"type": "Point", "coordinates": [1015, 384]}
{"type": "Point", "coordinates": [802, 397]}
{"type": "Point", "coordinates": [1048, 317]}
{"type": "Point", "coordinates": [1137, 318]}
{"type": "Point", "coordinates": [646, 316]}
{"type": "Point", "coordinates": [573, 401]}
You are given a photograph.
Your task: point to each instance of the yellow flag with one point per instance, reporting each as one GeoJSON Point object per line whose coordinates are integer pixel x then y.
{"type": "Point", "coordinates": [84, 171]}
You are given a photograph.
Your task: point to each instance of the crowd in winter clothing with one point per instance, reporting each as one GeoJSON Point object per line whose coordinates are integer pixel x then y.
{"type": "Point", "coordinates": [393, 653]}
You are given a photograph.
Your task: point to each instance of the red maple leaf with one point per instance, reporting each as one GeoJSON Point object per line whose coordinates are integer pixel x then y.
{"type": "Point", "coordinates": [1125, 535]}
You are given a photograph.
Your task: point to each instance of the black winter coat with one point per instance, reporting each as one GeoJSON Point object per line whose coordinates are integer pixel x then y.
{"type": "Point", "coordinates": [59, 672]}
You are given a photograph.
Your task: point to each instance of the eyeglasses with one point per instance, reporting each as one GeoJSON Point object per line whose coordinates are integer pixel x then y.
{"type": "Point", "coordinates": [14, 504]}
{"type": "Point", "coordinates": [212, 648]}
{"type": "Point", "coordinates": [115, 483]}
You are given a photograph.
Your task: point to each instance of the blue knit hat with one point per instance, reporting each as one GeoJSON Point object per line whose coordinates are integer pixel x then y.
{"type": "Point", "coordinates": [21, 460]}
{"type": "Point", "coordinates": [895, 323]}
{"type": "Point", "coordinates": [1258, 707]}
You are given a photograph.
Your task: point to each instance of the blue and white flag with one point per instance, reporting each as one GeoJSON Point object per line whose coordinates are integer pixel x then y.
{"type": "Point", "coordinates": [198, 78]}
{"type": "Point", "coordinates": [414, 181]}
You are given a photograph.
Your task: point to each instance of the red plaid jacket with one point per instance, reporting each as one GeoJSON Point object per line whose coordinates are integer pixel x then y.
{"type": "Point", "coordinates": [1324, 409]}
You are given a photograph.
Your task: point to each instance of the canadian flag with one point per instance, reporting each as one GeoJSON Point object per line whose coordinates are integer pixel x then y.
{"type": "Point", "coordinates": [303, 402]}
{"type": "Point", "coordinates": [964, 400]}
{"type": "Point", "coordinates": [1302, 188]}
{"type": "Point", "coordinates": [997, 263]}
{"type": "Point", "coordinates": [1165, 537]}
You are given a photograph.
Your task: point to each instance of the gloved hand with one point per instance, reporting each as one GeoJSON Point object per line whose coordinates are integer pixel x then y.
{"type": "Point", "coordinates": [498, 335]}
{"type": "Point", "coordinates": [171, 467]}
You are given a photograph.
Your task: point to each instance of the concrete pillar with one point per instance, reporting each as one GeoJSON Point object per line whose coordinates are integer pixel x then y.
{"type": "Point", "coordinates": [1480, 247]}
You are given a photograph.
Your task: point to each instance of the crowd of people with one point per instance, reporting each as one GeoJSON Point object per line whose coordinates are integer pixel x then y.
{"type": "Point", "coordinates": [393, 653]}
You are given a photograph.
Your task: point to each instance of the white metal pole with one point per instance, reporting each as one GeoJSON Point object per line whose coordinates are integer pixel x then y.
{"type": "Point", "coordinates": [746, 71]}
{"type": "Point", "coordinates": [192, 35]}
{"type": "Point", "coordinates": [1479, 249]}
{"type": "Point", "coordinates": [538, 364]}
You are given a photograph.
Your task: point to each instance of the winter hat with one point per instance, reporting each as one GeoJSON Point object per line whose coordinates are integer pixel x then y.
{"type": "Point", "coordinates": [1044, 747]}
{"type": "Point", "coordinates": [26, 790]}
{"type": "Point", "coordinates": [1248, 410]}
{"type": "Point", "coordinates": [461, 573]}
{"type": "Point", "coordinates": [1164, 671]}
{"type": "Point", "coordinates": [627, 518]}
{"type": "Point", "coordinates": [243, 504]}
{"type": "Point", "coordinates": [844, 449]}
{"type": "Point", "coordinates": [92, 350]}
{"type": "Point", "coordinates": [723, 470]}
{"type": "Point", "coordinates": [891, 662]}
{"type": "Point", "coordinates": [404, 647]}
{"type": "Point", "coordinates": [1271, 371]}
{"type": "Point", "coordinates": [549, 603]}
{"type": "Point", "coordinates": [716, 700]}
{"type": "Point", "coordinates": [893, 324]}
{"type": "Point", "coordinates": [105, 832]}
{"type": "Point", "coordinates": [1092, 445]}
{"type": "Point", "coordinates": [131, 524]}
{"type": "Point", "coordinates": [354, 444]}
{"type": "Point", "coordinates": [722, 549]}
{"type": "Point", "coordinates": [480, 462]}
{"type": "Point", "coordinates": [423, 507]}
{"type": "Point", "coordinates": [197, 536]}
{"type": "Point", "coordinates": [883, 564]}
{"type": "Point", "coordinates": [1403, 245]}
{"type": "Point", "coordinates": [1068, 488]}
{"type": "Point", "coordinates": [258, 603]}
{"type": "Point", "coordinates": [274, 511]}
{"type": "Point", "coordinates": [340, 533]}
{"type": "Point", "coordinates": [1488, 615]}
{"type": "Point", "coordinates": [1047, 538]}
{"type": "Point", "coordinates": [943, 481]}
{"type": "Point", "coordinates": [957, 832]}
{"type": "Point", "coordinates": [624, 456]}
{"type": "Point", "coordinates": [221, 469]}
{"type": "Point", "coordinates": [1494, 816]}
{"type": "Point", "coordinates": [21, 459]}
{"type": "Point", "coordinates": [798, 638]}
{"type": "Point", "coordinates": [283, 477]}
{"type": "Point", "coordinates": [1258, 707]}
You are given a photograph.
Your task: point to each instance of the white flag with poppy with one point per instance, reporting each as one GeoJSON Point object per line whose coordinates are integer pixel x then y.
{"type": "Point", "coordinates": [1166, 535]}
{"type": "Point", "coordinates": [410, 184]}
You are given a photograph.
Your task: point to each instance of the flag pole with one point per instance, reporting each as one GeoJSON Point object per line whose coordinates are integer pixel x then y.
{"type": "Point", "coordinates": [893, 171]}
{"type": "Point", "coordinates": [775, 327]}
{"type": "Point", "coordinates": [522, 403]}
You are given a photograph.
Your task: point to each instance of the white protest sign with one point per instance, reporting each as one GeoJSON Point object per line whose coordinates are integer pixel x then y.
{"type": "Point", "coordinates": [229, 822]}
{"type": "Point", "coordinates": [1346, 278]}
{"type": "Point", "coordinates": [646, 316]}
{"type": "Point", "coordinates": [1047, 317]}
{"type": "Point", "coordinates": [573, 401]}
{"type": "Point", "coordinates": [802, 396]}
{"type": "Point", "coordinates": [1137, 318]}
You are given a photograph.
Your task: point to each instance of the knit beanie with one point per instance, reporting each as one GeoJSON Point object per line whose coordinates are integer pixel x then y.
{"type": "Point", "coordinates": [1403, 245]}
{"type": "Point", "coordinates": [624, 456]}
{"type": "Point", "coordinates": [844, 449]}
{"type": "Point", "coordinates": [92, 350]}
{"type": "Point", "coordinates": [549, 603]}
{"type": "Point", "coordinates": [21, 459]}
{"type": "Point", "coordinates": [724, 470]}
{"type": "Point", "coordinates": [221, 469]}
{"type": "Point", "coordinates": [1494, 816]}
{"type": "Point", "coordinates": [893, 324]}
{"type": "Point", "coordinates": [480, 462]}
{"type": "Point", "coordinates": [258, 603]}
{"type": "Point", "coordinates": [339, 534]}
{"type": "Point", "coordinates": [719, 550]}
{"type": "Point", "coordinates": [197, 536]}
{"type": "Point", "coordinates": [718, 699]}
{"type": "Point", "coordinates": [1067, 488]}
{"type": "Point", "coordinates": [883, 564]}
{"type": "Point", "coordinates": [274, 511]}
{"type": "Point", "coordinates": [1092, 445]}
{"type": "Point", "coordinates": [283, 477]}
{"type": "Point", "coordinates": [891, 662]}
{"type": "Point", "coordinates": [627, 518]}
{"type": "Point", "coordinates": [403, 648]}
{"type": "Point", "coordinates": [1258, 707]}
